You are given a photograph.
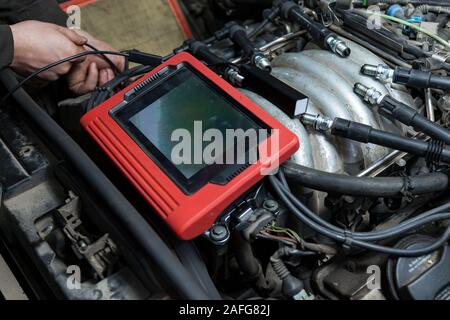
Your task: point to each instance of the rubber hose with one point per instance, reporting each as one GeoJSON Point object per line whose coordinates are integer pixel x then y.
{"type": "Point", "coordinates": [250, 266]}
{"type": "Point", "coordinates": [367, 187]}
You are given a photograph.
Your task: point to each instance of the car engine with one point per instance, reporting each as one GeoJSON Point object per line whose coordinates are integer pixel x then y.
{"type": "Point", "coordinates": [359, 212]}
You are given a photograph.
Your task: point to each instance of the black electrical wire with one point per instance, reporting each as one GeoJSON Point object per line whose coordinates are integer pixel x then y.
{"type": "Point", "coordinates": [106, 58]}
{"type": "Point", "coordinates": [416, 222]}
{"type": "Point", "coordinates": [347, 237]}
{"type": "Point", "coordinates": [54, 64]}
{"type": "Point", "coordinates": [434, 151]}
{"type": "Point", "coordinates": [411, 117]}
{"type": "Point", "coordinates": [166, 262]}
{"type": "Point", "coordinates": [101, 94]}
{"type": "Point", "coordinates": [420, 79]}
{"type": "Point", "coordinates": [269, 17]}
{"type": "Point", "coordinates": [258, 28]}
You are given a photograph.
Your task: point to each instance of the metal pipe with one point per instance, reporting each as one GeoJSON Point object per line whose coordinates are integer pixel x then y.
{"type": "Point", "coordinates": [429, 105]}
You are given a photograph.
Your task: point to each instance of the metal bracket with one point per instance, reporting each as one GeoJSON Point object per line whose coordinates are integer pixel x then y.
{"type": "Point", "coordinates": [101, 253]}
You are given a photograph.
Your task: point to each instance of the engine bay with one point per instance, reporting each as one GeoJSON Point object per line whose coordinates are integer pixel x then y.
{"type": "Point", "coordinates": [359, 211]}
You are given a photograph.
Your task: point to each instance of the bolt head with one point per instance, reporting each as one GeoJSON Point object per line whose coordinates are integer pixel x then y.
{"type": "Point", "coordinates": [219, 233]}
{"type": "Point", "coordinates": [271, 205]}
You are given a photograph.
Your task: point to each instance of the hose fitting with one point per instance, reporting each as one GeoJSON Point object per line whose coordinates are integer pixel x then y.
{"type": "Point", "coordinates": [261, 62]}
{"type": "Point", "coordinates": [320, 123]}
{"type": "Point", "coordinates": [380, 72]}
{"type": "Point", "coordinates": [366, 134]}
{"type": "Point", "coordinates": [370, 95]}
{"type": "Point", "coordinates": [319, 33]}
{"type": "Point", "coordinates": [338, 46]}
{"type": "Point", "coordinates": [239, 36]}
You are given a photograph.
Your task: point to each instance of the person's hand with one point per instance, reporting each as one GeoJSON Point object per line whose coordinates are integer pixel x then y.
{"type": "Point", "coordinates": [95, 71]}
{"type": "Point", "coordinates": [38, 44]}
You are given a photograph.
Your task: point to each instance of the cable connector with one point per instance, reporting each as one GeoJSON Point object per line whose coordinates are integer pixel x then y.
{"type": "Point", "coordinates": [239, 36]}
{"type": "Point", "coordinates": [144, 58]}
{"type": "Point", "coordinates": [380, 72]}
{"type": "Point", "coordinates": [403, 113]}
{"type": "Point", "coordinates": [366, 134]}
{"type": "Point", "coordinates": [409, 77]}
{"type": "Point", "coordinates": [370, 95]}
{"type": "Point", "coordinates": [234, 77]}
{"type": "Point", "coordinates": [319, 33]}
{"type": "Point", "coordinates": [319, 122]}
{"type": "Point", "coordinates": [338, 46]}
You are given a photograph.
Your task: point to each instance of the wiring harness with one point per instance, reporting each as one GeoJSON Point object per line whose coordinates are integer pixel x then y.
{"type": "Point", "coordinates": [364, 240]}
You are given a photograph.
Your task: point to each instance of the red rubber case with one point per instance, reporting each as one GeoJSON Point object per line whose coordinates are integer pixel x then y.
{"type": "Point", "coordinates": [187, 215]}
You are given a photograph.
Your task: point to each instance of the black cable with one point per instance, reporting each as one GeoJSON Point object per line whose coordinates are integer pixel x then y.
{"type": "Point", "coordinates": [101, 94]}
{"type": "Point", "coordinates": [108, 60]}
{"type": "Point", "coordinates": [417, 222]}
{"type": "Point", "coordinates": [356, 131]}
{"type": "Point", "coordinates": [258, 28]}
{"type": "Point", "coordinates": [54, 64]}
{"type": "Point", "coordinates": [365, 186]}
{"type": "Point", "coordinates": [272, 14]}
{"type": "Point", "coordinates": [388, 106]}
{"type": "Point", "coordinates": [411, 117]}
{"type": "Point", "coordinates": [420, 79]}
{"type": "Point", "coordinates": [346, 237]}
{"type": "Point", "coordinates": [165, 261]}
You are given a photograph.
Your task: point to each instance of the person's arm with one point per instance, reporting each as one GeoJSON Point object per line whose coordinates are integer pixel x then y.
{"type": "Point", "coordinates": [42, 10]}
{"type": "Point", "coordinates": [6, 46]}
{"type": "Point", "coordinates": [12, 12]}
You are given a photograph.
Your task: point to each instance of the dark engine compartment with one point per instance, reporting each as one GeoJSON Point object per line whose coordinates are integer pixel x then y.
{"type": "Point", "coordinates": [73, 227]}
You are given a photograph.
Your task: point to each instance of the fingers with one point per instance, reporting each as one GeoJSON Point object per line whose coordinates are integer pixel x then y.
{"type": "Point", "coordinates": [83, 82]}
{"type": "Point", "coordinates": [77, 50]}
{"type": "Point", "coordinates": [91, 79]}
{"type": "Point", "coordinates": [49, 76]}
{"type": "Point", "coordinates": [76, 38]}
{"type": "Point", "coordinates": [103, 77]}
{"type": "Point", "coordinates": [119, 62]}
{"type": "Point", "coordinates": [78, 44]}
{"type": "Point", "coordinates": [102, 63]}
{"type": "Point", "coordinates": [110, 74]}
{"type": "Point", "coordinates": [106, 75]}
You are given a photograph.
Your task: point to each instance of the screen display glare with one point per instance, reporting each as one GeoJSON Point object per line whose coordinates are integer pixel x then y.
{"type": "Point", "coordinates": [186, 99]}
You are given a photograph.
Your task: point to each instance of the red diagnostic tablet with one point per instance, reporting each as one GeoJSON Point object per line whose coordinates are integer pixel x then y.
{"type": "Point", "coordinates": [189, 142]}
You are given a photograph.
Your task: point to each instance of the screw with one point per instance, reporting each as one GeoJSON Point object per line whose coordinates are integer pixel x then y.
{"type": "Point", "coordinates": [219, 233]}
{"type": "Point", "coordinates": [271, 205]}
{"type": "Point", "coordinates": [262, 62]}
{"type": "Point", "coordinates": [401, 162]}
